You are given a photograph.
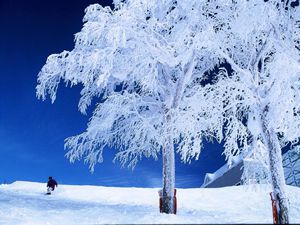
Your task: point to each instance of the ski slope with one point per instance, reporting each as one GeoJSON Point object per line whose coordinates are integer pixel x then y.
{"type": "Point", "coordinates": [25, 203]}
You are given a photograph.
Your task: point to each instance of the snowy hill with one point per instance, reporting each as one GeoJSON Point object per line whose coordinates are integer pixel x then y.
{"type": "Point", "coordinates": [25, 203]}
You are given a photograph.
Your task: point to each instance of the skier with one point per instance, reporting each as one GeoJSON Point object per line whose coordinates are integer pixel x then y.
{"type": "Point", "coordinates": [51, 185]}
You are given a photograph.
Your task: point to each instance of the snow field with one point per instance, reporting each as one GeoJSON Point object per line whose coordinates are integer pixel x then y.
{"type": "Point", "coordinates": [24, 203]}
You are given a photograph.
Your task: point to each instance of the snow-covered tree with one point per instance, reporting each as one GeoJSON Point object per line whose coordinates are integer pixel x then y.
{"type": "Point", "coordinates": [260, 93]}
{"type": "Point", "coordinates": [142, 61]}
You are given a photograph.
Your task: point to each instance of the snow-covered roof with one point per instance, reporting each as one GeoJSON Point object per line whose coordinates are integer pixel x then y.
{"type": "Point", "coordinates": [291, 164]}
{"type": "Point", "coordinates": [210, 177]}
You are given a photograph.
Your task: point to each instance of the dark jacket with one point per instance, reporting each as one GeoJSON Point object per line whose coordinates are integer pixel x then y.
{"type": "Point", "coordinates": [52, 183]}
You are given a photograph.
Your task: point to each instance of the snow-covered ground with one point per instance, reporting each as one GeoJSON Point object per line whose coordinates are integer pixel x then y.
{"type": "Point", "coordinates": [26, 203]}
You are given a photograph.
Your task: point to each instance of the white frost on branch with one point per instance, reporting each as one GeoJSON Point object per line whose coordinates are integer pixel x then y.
{"type": "Point", "coordinates": [260, 90]}
{"type": "Point", "coordinates": [144, 60]}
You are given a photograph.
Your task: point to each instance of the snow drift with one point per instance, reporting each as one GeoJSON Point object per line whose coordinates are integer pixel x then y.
{"type": "Point", "coordinates": [26, 203]}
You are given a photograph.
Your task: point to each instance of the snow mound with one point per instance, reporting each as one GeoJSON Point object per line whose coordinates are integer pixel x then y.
{"type": "Point", "coordinates": [24, 203]}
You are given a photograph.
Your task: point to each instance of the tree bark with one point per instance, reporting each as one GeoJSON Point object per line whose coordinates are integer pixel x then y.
{"type": "Point", "coordinates": [168, 177]}
{"type": "Point", "coordinates": [277, 173]}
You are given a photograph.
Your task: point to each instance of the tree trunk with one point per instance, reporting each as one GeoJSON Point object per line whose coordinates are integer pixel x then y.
{"type": "Point", "coordinates": [277, 173]}
{"type": "Point", "coordinates": [168, 149]}
{"type": "Point", "coordinates": [168, 177]}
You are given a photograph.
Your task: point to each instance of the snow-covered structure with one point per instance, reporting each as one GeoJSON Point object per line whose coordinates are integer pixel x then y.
{"type": "Point", "coordinates": [291, 164]}
{"type": "Point", "coordinates": [232, 175]}
{"type": "Point", "coordinates": [226, 175]}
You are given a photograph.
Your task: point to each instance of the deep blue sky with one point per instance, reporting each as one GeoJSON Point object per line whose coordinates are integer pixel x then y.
{"type": "Point", "coordinates": [32, 132]}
